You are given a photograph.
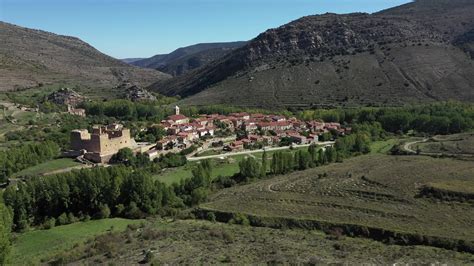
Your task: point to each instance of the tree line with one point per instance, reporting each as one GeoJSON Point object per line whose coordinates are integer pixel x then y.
{"type": "Point", "coordinates": [436, 118]}
{"type": "Point", "coordinates": [5, 232]}
{"type": "Point", "coordinates": [97, 193]}
{"type": "Point", "coordinates": [19, 158]}
{"type": "Point", "coordinates": [127, 110]}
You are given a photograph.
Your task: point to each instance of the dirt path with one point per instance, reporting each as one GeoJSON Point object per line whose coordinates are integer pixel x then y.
{"type": "Point", "coordinates": [408, 148]}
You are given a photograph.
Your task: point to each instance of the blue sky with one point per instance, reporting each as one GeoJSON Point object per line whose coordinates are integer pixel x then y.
{"type": "Point", "coordinates": [142, 28]}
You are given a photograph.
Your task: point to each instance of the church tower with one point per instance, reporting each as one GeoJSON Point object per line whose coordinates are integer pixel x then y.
{"type": "Point", "coordinates": [176, 110]}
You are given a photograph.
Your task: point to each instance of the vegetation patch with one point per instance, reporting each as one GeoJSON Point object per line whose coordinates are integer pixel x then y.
{"type": "Point", "coordinates": [37, 246]}
{"type": "Point", "coordinates": [192, 242]}
{"type": "Point", "coordinates": [450, 190]}
{"type": "Point", "coordinates": [48, 167]}
{"type": "Point", "coordinates": [374, 196]}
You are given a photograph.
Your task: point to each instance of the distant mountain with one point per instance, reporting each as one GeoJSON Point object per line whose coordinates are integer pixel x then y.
{"type": "Point", "coordinates": [29, 57]}
{"type": "Point", "coordinates": [418, 52]}
{"type": "Point", "coordinates": [188, 58]}
{"type": "Point", "coordinates": [131, 60]}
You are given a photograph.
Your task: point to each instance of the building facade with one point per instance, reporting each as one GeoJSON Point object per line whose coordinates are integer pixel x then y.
{"type": "Point", "coordinates": [102, 143]}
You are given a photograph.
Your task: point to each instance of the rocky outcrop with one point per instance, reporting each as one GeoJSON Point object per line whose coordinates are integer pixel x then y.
{"type": "Point", "coordinates": [66, 96]}
{"type": "Point", "coordinates": [138, 94]}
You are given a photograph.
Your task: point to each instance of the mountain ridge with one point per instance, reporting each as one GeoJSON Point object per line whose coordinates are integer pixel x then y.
{"type": "Point", "coordinates": [30, 57]}
{"type": "Point", "coordinates": [387, 57]}
{"type": "Point", "coordinates": [185, 59]}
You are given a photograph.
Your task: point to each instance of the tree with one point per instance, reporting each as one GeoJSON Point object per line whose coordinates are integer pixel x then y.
{"type": "Point", "coordinates": [321, 157]}
{"type": "Point", "coordinates": [263, 168]}
{"type": "Point", "coordinates": [249, 169]}
{"type": "Point", "coordinates": [313, 152]}
{"type": "Point", "coordinates": [5, 229]}
{"type": "Point", "coordinates": [304, 160]}
{"type": "Point", "coordinates": [124, 156]}
{"type": "Point", "coordinates": [330, 154]}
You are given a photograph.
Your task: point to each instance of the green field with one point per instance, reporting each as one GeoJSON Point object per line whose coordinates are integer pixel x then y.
{"type": "Point", "coordinates": [226, 167]}
{"type": "Point", "coordinates": [207, 153]}
{"type": "Point", "coordinates": [34, 246]}
{"type": "Point", "coordinates": [367, 193]}
{"type": "Point", "coordinates": [220, 168]}
{"type": "Point", "coordinates": [383, 146]}
{"type": "Point", "coordinates": [191, 242]}
{"type": "Point", "coordinates": [48, 167]}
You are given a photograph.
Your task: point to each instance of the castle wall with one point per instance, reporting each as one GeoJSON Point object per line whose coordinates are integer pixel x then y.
{"type": "Point", "coordinates": [101, 144]}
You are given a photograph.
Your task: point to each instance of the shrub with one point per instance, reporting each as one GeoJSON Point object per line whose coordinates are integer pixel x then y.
{"type": "Point", "coordinates": [49, 223]}
{"type": "Point", "coordinates": [239, 218]}
{"type": "Point", "coordinates": [211, 217]}
{"type": "Point", "coordinates": [148, 257]}
{"type": "Point", "coordinates": [62, 219]}
{"type": "Point", "coordinates": [119, 209]}
{"type": "Point", "coordinates": [104, 212]}
{"type": "Point", "coordinates": [133, 211]}
{"type": "Point", "coordinates": [71, 218]}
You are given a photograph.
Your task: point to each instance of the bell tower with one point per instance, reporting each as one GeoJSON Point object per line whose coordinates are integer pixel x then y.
{"type": "Point", "coordinates": [176, 110]}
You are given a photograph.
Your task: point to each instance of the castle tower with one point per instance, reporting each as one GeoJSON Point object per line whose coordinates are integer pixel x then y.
{"type": "Point", "coordinates": [176, 110]}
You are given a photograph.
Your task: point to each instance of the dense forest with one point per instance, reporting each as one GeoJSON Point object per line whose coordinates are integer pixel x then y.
{"type": "Point", "coordinates": [22, 157]}
{"type": "Point", "coordinates": [5, 228]}
{"type": "Point", "coordinates": [96, 193]}
{"type": "Point", "coordinates": [437, 118]}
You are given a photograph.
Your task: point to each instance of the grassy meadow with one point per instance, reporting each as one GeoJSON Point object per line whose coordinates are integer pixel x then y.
{"type": "Point", "coordinates": [48, 167]}
{"type": "Point", "coordinates": [36, 246]}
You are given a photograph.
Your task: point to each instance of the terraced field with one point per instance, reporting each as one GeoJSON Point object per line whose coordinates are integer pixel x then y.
{"type": "Point", "coordinates": [460, 144]}
{"type": "Point", "coordinates": [376, 196]}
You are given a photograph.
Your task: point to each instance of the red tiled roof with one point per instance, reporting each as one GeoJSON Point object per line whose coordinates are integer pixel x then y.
{"type": "Point", "coordinates": [176, 117]}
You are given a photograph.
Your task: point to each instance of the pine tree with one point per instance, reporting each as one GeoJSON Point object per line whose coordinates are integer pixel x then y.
{"type": "Point", "coordinates": [263, 168]}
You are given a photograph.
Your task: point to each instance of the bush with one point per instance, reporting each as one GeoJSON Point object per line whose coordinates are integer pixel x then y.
{"type": "Point", "coordinates": [119, 209]}
{"type": "Point", "coordinates": [239, 218]}
{"type": "Point", "coordinates": [63, 219]}
{"type": "Point", "coordinates": [133, 212]}
{"type": "Point", "coordinates": [211, 217]}
{"type": "Point", "coordinates": [71, 218]}
{"type": "Point", "coordinates": [104, 212]}
{"type": "Point", "coordinates": [148, 257]}
{"type": "Point", "coordinates": [49, 223]}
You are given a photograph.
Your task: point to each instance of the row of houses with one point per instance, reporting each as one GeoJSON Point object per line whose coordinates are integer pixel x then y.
{"type": "Point", "coordinates": [265, 129]}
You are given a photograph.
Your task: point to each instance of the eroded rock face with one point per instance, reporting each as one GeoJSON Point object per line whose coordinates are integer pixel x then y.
{"type": "Point", "coordinates": [66, 96]}
{"type": "Point", "coordinates": [420, 51]}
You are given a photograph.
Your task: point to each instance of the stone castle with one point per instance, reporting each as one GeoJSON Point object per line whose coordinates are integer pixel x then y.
{"type": "Point", "coordinates": [104, 141]}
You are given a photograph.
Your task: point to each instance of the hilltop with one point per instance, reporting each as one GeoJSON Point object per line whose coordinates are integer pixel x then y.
{"type": "Point", "coordinates": [188, 58]}
{"type": "Point", "coordinates": [31, 57]}
{"type": "Point", "coordinates": [417, 52]}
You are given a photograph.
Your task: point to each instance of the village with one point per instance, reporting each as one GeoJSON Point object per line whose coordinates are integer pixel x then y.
{"type": "Point", "coordinates": [222, 134]}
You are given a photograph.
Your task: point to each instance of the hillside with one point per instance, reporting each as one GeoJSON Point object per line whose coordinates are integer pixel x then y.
{"type": "Point", "coordinates": [188, 58]}
{"type": "Point", "coordinates": [416, 52]}
{"type": "Point", "coordinates": [131, 60]}
{"type": "Point", "coordinates": [29, 57]}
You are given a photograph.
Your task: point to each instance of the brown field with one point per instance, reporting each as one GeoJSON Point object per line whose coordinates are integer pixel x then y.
{"type": "Point", "coordinates": [461, 144]}
{"type": "Point", "coordinates": [376, 196]}
{"type": "Point", "coordinates": [192, 242]}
